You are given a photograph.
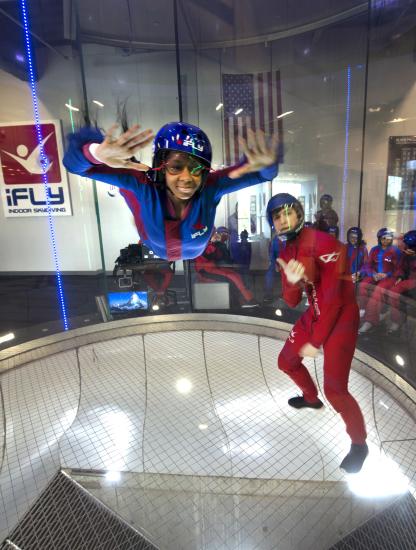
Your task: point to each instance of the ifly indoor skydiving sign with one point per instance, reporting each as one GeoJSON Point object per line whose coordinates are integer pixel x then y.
{"type": "Point", "coordinates": [24, 169]}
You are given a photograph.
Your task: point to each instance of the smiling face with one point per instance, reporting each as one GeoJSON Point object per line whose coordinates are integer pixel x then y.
{"type": "Point", "coordinates": [183, 175]}
{"type": "Point", "coordinates": [285, 219]}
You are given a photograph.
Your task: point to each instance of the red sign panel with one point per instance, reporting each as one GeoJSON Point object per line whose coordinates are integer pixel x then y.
{"type": "Point", "coordinates": [20, 154]}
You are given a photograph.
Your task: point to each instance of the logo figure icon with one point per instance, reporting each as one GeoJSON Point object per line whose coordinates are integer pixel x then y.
{"type": "Point", "coordinates": [326, 258]}
{"type": "Point", "coordinates": [33, 163]}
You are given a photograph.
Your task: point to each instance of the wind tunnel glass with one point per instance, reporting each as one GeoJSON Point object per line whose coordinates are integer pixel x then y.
{"type": "Point", "coordinates": [176, 166]}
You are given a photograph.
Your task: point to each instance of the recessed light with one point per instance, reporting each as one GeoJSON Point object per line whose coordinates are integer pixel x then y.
{"type": "Point", "coordinates": [183, 385]}
{"type": "Point", "coordinates": [399, 360]}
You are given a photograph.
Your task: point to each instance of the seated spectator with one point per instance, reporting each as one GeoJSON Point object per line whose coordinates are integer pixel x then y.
{"type": "Point", "coordinates": [357, 253]}
{"type": "Point", "coordinates": [334, 231]}
{"type": "Point", "coordinates": [214, 264]}
{"type": "Point", "coordinates": [378, 276]}
{"type": "Point", "coordinates": [406, 280]}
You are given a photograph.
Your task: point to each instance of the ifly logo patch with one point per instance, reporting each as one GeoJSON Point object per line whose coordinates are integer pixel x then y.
{"type": "Point", "coordinates": [20, 154]}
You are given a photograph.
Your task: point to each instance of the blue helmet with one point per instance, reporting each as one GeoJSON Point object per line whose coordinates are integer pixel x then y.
{"type": "Point", "coordinates": [285, 200]}
{"type": "Point", "coordinates": [384, 232]}
{"type": "Point", "coordinates": [410, 239]}
{"type": "Point", "coordinates": [357, 232]}
{"type": "Point", "coordinates": [183, 138]}
{"type": "Point", "coordinates": [333, 230]}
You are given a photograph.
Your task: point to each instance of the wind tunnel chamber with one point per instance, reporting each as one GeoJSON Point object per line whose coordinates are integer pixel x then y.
{"type": "Point", "coordinates": [141, 401]}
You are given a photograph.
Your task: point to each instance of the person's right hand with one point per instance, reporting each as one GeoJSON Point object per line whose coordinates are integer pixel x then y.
{"type": "Point", "coordinates": [294, 270]}
{"type": "Point", "coordinates": [117, 151]}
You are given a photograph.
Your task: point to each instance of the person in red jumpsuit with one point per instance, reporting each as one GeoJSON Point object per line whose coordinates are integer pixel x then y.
{"type": "Point", "coordinates": [406, 280]}
{"type": "Point", "coordinates": [315, 262]}
{"type": "Point", "coordinates": [379, 277]}
{"type": "Point", "coordinates": [215, 264]}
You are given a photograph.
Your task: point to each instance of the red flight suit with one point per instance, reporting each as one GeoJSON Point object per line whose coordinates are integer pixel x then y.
{"type": "Point", "coordinates": [331, 321]}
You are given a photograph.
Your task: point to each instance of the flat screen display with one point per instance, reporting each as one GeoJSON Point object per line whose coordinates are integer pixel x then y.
{"type": "Point", "coordinates": [125, 302]}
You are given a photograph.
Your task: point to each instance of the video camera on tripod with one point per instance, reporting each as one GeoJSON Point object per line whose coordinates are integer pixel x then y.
{"type": "Point", "coordinates": [135, 258]}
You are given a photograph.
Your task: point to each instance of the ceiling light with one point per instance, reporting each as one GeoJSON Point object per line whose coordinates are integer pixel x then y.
{"type": "Point", "coordinates": [203, 426]}
{"type": "Point", "coordinates": [285, 114]}
{"type": "Point", "coordinates": [6, 337]}
{"type": "Point", "coordinates": [155, 307]}
{"type": "Point", "coordinates": [399, 360]}
{"type": "Point", "coordinates": [98, 103]}
{"type": "Point", "coordinates": [71, 107]}
{"type": "Point", "coordinates": [183, 385]}
{"type": "Point", "coordinates": [278, 312]}
{"type": "Point", "coordinates": [219, 106]}
{"type": "Point", "coordinates": [397, 120]}
{"type": "Point", "coordinates": [238, 111]}
{"type": "Point", "coordinates": [374, 109]}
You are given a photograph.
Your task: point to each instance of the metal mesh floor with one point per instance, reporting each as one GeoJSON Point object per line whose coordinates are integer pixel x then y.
{"type": "Point", "coordinates": [188, 436]}
{"type": "Point", "coordinates": [66, 517]}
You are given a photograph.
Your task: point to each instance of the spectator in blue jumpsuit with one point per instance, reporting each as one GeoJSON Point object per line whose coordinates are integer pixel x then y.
{"type": "Point", "coordinates": [174, 203]}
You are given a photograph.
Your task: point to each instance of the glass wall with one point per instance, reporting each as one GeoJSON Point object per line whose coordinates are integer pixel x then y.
{"type": "Point", "coordinates": [334, 81]}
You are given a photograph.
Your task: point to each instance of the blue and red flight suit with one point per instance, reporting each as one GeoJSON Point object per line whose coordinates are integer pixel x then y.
{"type": "Point", "coordinates": [407, 275]}
{"type": "Point", "coordinates": [371, 293]}
{"type": "Point", "coordinates": [331, 321]}
{"type": "Point", "coordinates": [357, 257]}
{"type": "Point", "coordinates": [169, 238]}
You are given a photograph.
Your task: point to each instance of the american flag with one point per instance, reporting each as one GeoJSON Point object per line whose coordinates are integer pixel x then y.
{"type": "Point", "coordinates": [259, 97]}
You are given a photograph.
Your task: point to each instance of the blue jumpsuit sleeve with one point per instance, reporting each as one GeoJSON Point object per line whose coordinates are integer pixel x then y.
{"type": "Point", "coordinates": [75, 162]}
{"type": "Point", "coordinates": [224, 184]}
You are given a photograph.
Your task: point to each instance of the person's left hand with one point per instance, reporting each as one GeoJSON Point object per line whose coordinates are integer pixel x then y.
{"type": "Point", "coordinates": [308, 350]}
{"type": "Point", "coordinates": [259, 153]}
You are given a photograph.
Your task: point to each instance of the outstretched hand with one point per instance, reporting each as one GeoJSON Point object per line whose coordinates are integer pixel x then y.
{"type": "Point", "coordinates": [117, 151]}
{"type": "Point", "coordinates": [308, 350]}
{"type": "Point", "coordinates": [294, 270]}
{"type": "Point", "coordinates": [259, 153]}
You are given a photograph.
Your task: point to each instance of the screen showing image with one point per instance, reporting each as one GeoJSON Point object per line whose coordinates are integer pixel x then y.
{"type": "Point", "coordinates": [125, 302]}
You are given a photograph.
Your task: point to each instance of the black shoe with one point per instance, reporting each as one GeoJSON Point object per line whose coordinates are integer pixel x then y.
{"type": "Point", "coordinates": [354, 460]}
{"type": "Point", "coordinates": [300, 403]}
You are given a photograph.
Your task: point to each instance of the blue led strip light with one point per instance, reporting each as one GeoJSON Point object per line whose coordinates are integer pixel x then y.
{"type": "Point", "coordinates": [43, 159]}
{"type": "Point", "coordinates": [346, 148]}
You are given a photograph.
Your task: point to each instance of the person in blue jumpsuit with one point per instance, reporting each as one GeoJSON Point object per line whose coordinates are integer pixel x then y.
{"type": "Point", "coordinates": [175, 202]}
